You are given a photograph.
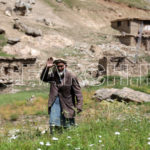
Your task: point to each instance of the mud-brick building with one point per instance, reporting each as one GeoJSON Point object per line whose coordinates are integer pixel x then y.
{"type": "Point", "coordinates": [132, 40]}
{"type": "Point", "coordinates": [131, 25]}
{"type": "Point", "coordinates": [14, 70]}
{"type": "Point", "coordinates": [121, 66]}
{"type": "Point", "coordinates": [130, 29]}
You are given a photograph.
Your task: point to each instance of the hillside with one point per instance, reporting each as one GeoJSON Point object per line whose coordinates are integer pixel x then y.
{"type": "Point", "coordinates": [70, 24]}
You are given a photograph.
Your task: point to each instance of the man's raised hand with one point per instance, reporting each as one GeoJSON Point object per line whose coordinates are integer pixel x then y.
{"type": "Point", "coordinates": [49, 63]}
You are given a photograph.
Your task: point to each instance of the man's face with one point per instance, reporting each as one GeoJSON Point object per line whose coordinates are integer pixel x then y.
{"type": "Point", "coordinates": [60, 67]}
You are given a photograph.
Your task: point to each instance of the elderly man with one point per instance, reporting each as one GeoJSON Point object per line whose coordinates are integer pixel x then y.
{"type": "Point", "coordinates": [65, 94]}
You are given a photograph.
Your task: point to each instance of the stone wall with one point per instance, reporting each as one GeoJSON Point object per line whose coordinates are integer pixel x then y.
{"type": "Point", "coordinates": [16, 69]}
{"type": "Point", "coordinates": [123, 26]}
{"type": "Point", "coordinates": [122, 66]}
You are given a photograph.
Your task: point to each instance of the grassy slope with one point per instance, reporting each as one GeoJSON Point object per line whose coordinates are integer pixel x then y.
{"type": "Point", "coordinates": [3, 41]}
{"type": "Point", "coordinates": [135, 3]}
{"type": "Point", "coordinates": [141, 4]}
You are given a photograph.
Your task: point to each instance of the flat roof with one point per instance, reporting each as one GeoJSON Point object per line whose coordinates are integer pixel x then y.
{"type": "Point", "coordinates": [132, 35]}
{"type": "Point", "coordinates": [17, 59]}
{"type": "Point", "coordinates": [131, 19]}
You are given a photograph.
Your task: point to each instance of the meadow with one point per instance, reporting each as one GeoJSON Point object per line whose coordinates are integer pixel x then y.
{"type": "Point", "coordinates": [101, 126]}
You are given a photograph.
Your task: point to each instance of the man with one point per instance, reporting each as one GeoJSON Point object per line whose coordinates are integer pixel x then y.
{"type": "Point", "coordinates": [65, 94]}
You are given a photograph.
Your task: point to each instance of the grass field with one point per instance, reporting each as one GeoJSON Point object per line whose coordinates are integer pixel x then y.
{"type": "Point", "coordinates": [105, 125]}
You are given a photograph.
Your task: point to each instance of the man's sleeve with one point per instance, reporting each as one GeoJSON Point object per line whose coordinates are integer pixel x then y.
{"type": "Point", "coordinates": [45, 77]}
{"type": "Point", "coordinates": [78, 94]}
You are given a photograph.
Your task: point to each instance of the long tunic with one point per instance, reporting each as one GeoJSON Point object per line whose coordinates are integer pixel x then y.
{"type": "Point", "coordinates": [57, 118]}
{"type": "Point", "coordinates": [69, 92]}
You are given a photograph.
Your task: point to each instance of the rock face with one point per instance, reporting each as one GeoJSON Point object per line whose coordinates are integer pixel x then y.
{"type": "Point", "coordinates": [125, 94]}
{"type": "Point", "coordinates": [13, 41]}
{"type": "Point", "coordinates": [23, 7]}
{"type": "Point", "coordinates": [104, 94]}
{"type": "Point", "coordinates": [3, 2]}
{"type": "Point", "coordinates": [28, 30]}
{"type": "Point", "coordinates": [21, 50]}
{"type": "Point", "coordinates": [128, 95]}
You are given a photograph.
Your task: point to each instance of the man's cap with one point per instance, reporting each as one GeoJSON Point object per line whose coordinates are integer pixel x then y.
{"type": "Point", "coordinates": [59, 60]}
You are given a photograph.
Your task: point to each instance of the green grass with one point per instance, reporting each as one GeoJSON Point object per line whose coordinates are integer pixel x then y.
{"type": "Point", "coordinates": [135, 3]}
{"type": "Point", "coordinates": [3, 54]}
{"type": "Point", "coordinates": [107, 118]}
{"type": "Point", "coordinates": [67, 52]}
{"type": "Point", "coordinates": [3, 42]}
{"type": "Point", "coordinates": [50, 3]}
{"type": "Point", "coordinates": [70, 3]}
{"type": "Point", "coordinates": [21, 96]}
{"type": "Point", "coordinates": [97, 119]}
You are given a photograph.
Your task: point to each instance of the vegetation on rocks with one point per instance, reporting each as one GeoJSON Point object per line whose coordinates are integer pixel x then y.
{"type": "Point", "coordinates": [3, 42]}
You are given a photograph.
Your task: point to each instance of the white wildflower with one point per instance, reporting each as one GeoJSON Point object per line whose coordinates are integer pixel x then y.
{"type": "Point", "coordinates": [48, 144]}
{"type": "Point", "coordinates": [41, 143]}
{"type": "Point", "coordinates": [117, 133]}
{"type": "Point", "coordinates": [68, 144]}
{"type": "Point", "coordinates": [43, 132]}
{"type": "Point", "coordinates": [17, 130]}
{"type": "Point", "coordinates": [68, 137]}
{"type": "Point", "coordinates": [100, 141]}
{"type": "Point", "coordinates": [38, 149]}
{"type": "Point", "coordinates": [99, 136]}
{"type": "Point", "coordinates": [148, 138]}
{"type": "Point", "coordinates": [55, 139]}
{"type": "Point", "coordinates": [91, 145]}
{"type": "Point", "coordinates": [148, 143]}
{"type": "Point", "coordinates": [13, 137]}
{"type": "Point", "coordinates": [77, 148]}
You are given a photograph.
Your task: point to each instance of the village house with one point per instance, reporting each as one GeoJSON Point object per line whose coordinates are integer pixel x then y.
{"type": "Point", "coordinates": [130, 29]}
{"type": "Point", "coordinates": [15, 70]}
{"type": "Point", "coordinates": [121, 66]}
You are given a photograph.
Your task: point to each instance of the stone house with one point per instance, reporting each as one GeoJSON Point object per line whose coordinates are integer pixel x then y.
{"type": "Point", "coordinates": [130, 29]}
{"type": "Point", "coordinates": [132, 40]}
{"type": "Point", "coordinates": [14, 70]}
{"type": "Point", "coordinates": [121, 66]}
{"type": "Point", "coordinates": [131, 25]}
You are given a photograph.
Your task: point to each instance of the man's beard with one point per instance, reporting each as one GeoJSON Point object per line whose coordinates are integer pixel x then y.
{"type": "Point", "coordinates": [61, 73]}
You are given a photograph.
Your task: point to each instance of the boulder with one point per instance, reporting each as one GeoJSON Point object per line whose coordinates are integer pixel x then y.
{"type": "Point", "coordinates": [59, 1]}
{"type": "Point", "coordinates": [33, 32]}
{"type": "Point", "coordinates": [45, 21]}
{"type": "Point", "coordinates": [127, 94]}
{"type": "Point", "coordinates": [2, 31]}
{"type": "Point", "coordinates": [26, 29]}
{"type": "Point", "coordinates": [13, 41]}
{"type": "Point", "coordinates": [8, 11]}
{"type": "Point", "coordinates": [31, 1]}
{"type": "Point", "coordinates": [104, 94]}
{"type": "Point", "coordinates": [3, 2]}
{"type": "Point", "coordinates": [34, 52]}
{"type": "Point", "coordinates": [22, 7]}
